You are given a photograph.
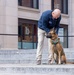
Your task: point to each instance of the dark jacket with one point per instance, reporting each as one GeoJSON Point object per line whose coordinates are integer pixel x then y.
{"type": "Point", "coordinates": [46, 22]}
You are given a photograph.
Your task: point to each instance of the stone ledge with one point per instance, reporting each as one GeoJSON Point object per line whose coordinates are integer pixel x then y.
{"type": "Point", "coordinates": [38, 69]}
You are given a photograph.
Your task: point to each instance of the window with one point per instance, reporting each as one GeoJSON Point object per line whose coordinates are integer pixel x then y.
{"type": "Point", "coordinates": [63, 35]}
{"type": "Point", "coordinates": [29, 3]}
{"type": "Point", "coordinates": [61, 4]}
{"type": "Point", "coordinates": [27, 34]}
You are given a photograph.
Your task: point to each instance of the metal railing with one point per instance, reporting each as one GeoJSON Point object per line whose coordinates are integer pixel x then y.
{"type": "Point", "coordinates": [66, 38]}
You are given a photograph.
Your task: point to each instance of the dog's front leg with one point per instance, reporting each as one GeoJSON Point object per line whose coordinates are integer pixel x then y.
{"type": "Point", "coordinates": [52, 58]}
{"type": "Point", "coordinates": [52, 48]}
{"type": "Point", "coordinates": [59, 57]}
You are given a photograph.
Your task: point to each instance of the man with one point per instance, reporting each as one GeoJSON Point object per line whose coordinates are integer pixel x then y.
{"type": "Point", "coordinates": [48, 20]}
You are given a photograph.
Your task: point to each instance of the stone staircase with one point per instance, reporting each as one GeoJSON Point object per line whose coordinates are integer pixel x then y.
{"type": "Point", "coordinates": [24, 69]}
{"type": "Point", "coordinates": [23, 62]}
{"type": "Point", "coordinates": [28, 56]}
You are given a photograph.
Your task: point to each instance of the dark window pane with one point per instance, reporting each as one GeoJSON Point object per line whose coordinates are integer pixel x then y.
{"type": "Point", "coordinates": [63, 40]}
{"type": "Point", "coordinates": [20, 2]}
{"type": "Point", "coordinates": [57, 4]}
{"type": "Point", "coordinates": [29, 3]}
{"type": "Point", "coordinates": [27, 34]}
{"type": "Point", "coordinates": [35, 4]}
{"type": "Point", "coordinates": [65, 6]}
{"type": "Point", "coordinates": [60, 4]}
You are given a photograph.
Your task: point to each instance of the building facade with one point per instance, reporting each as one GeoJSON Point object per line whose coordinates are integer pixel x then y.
{"type": "Point", "coordinates": [18, 22]}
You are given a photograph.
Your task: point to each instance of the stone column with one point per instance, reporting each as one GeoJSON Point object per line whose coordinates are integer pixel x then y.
{"type": "Point", "coordinates": [8, 24]}
{"type": "Point", "coordinates": [45, 5]}
{"type": "Point", "coordinates": [71, 22]}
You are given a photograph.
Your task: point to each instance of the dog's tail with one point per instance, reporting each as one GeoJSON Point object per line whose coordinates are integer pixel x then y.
{"type": "Point", "coordinates": [69, 62]}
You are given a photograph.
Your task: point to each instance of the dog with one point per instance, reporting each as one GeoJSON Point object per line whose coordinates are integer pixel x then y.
{"type": "Point", "coordinates": [57, 50]}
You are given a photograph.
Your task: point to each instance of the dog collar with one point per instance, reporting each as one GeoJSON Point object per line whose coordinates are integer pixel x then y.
{"type": "Point", "coordinates": [55, 41]}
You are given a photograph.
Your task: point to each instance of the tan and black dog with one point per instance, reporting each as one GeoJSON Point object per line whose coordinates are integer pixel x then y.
{"type": "Point", "coordinates": [57, 50]}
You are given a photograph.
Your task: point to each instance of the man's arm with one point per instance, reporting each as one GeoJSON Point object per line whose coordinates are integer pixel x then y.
{"type": "Point", "coordinates": [45, 28]}
{"type": "Point", "coordinates": [44, 24]}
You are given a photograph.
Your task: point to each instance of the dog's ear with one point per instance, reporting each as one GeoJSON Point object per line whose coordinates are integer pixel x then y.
{"type": "Point", "coordinates": [54, 29]}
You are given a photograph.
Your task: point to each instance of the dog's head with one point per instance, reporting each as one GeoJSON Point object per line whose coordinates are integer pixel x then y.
{"type": "Point", "coordinates": [52, 34]}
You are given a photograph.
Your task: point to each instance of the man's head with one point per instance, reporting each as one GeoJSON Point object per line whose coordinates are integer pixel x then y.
{"type": "Point", "coordinates": [56, 13]}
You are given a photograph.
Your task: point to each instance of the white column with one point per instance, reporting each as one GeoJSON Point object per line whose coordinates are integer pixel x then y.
{"type": "Point", "coordinates": [71, 23]}
{"type": "Point", "coordinates": [9, 23]}
{"type": "Point", "coordinates": [2, 21]}
{"type": "Point", "coordinates": [43, 6]}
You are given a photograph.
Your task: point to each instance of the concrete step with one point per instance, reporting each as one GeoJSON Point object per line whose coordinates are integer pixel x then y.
{"type": "Point", "coordinates": [28, 56]}
{"type": "Point", "coordinates": [32, 69]}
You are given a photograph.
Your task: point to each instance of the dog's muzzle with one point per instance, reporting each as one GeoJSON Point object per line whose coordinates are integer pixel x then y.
{"type": "Point", "coordinates": [48, 36]}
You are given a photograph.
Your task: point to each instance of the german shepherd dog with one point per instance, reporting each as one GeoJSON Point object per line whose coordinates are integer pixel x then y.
{"type": "Point", "coordinates": [57, 50]}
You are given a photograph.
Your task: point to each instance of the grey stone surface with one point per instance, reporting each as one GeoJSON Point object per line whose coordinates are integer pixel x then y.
{"type": "Point", "coordinates": [23, 62]}
{"type": "Point", "coordinates": [29, 56]}
{"type": "Point", "coordinates": [37, 69]}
